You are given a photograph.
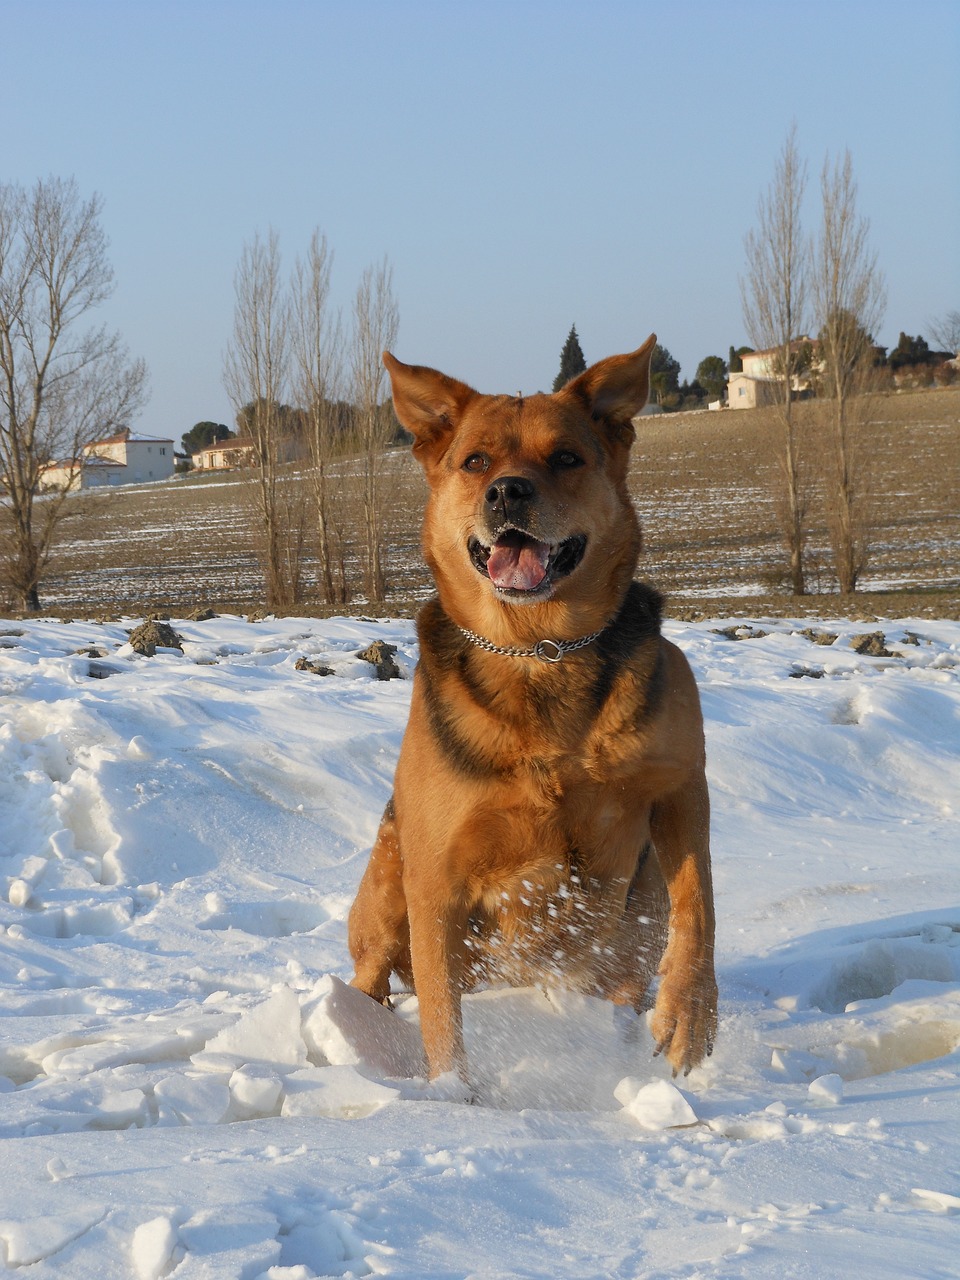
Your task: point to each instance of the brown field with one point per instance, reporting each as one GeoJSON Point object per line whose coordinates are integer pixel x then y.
{"type": "Point", "coordinates": [704, 484]}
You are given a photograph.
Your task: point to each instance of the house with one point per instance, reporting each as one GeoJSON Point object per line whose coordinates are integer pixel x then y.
{"type": "Point", "coordinates": [125, 458]}
{"type": "Point", "coordinates": [758, 383]}
{"type": "Point", "coordinates": [140, 457]}
{"type": "Point", "coordinates": [226, 454]}
{"type": "Point", "coordinates": [244, 452]}
{"type": "Point", "coordinates": [62, 474]}
{"type": "Point", "coordinates": [746, 392]}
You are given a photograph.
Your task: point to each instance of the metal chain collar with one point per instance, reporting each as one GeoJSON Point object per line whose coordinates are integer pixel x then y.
{"type": "Point", "coordinates": [545, 650]}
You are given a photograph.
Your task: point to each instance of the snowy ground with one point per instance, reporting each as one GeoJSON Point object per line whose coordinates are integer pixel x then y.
{"type": "Point", "coordinates": [181, 1090]}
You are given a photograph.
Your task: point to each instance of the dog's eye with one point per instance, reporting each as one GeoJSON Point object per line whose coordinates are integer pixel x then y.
{"type": "Point", "coordinates": [566, 458]}
{"type": "Point", "coordinates": [477, 462]}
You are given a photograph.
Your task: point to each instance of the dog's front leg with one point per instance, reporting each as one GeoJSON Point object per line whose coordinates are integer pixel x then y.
{"type": "Point", "coordinates": [685, 1015]}
{"type": "Point", "coordinates": [378, 932]}
{"type": "Point", "coordinates": [438, 924]}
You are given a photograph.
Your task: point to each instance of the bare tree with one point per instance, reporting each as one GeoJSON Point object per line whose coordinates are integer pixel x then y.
{"type": "Point", "coordinates": [849, 299]}
{"type": "Point", "coordinates": [774, 310]}
{"type": "Point", "coordinates": [256, 376]}
{"type": "Point", "coordinates": [60, 385]}
{"type": "Point", "coordinates": [318, 354]}
{"type": "Point", "coordinates": [376, 319]}
{"type": "Point", "coordinates": [945, 332]}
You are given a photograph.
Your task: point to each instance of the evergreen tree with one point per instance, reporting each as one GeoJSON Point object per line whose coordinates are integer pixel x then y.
{"type": "Point", "coordinates": [571, 360]}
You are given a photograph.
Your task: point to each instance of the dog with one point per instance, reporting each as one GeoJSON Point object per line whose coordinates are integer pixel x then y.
{"type": "Point", "coordinates": [550, 818]}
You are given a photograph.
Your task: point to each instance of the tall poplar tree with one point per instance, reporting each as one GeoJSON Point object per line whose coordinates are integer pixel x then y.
{"type": "Point", "coordinates": [572, 362]}
{"type": "Point", "coordinates": [774, 293]}
{"type": "Point", "coordinates": [849, 300]}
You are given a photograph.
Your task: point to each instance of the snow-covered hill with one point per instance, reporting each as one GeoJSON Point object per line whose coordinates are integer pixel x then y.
{"type": "Point", "coordinates": [184, 1090]}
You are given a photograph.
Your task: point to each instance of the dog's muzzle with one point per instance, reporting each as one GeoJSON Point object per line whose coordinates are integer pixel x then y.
{"type": "Point", "coordinates": [520, 565]}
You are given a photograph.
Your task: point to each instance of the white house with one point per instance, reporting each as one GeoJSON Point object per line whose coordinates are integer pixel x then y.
{"type": "Point", "coordinates": [126, 458]}
{"type": "Point", "coordinates": [129, 457]}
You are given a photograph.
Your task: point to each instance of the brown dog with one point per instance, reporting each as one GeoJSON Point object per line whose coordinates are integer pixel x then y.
{"type": "Point", "coordinates": [555, 738]}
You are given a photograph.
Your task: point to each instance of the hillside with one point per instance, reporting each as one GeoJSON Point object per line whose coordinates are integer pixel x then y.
{"type": "Point", "coordinates": [704, 484]}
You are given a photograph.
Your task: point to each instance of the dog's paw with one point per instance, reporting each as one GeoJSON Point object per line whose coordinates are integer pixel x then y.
{"type": "Point", "coordinates": [684, 1024]}
{"type": "Point", "coordinates": [450, 1087]}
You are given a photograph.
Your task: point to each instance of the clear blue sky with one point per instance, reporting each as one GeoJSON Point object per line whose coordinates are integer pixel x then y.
{"type": "Point", "coordinates": [524, 164]}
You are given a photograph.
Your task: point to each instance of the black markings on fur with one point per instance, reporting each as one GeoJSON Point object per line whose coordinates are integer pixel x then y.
{"type": "Point", "coordinates": [544, 696]}
{"type": "Point", "coordinates": [437, 634]}
{"type": "Point", "coordinates": [481, 693]}
{"type": "Point", "coordinates": [442, 654]}
{"type": "Point", "coordinates": [637, 623]}
{"type": "Point", "coordinates": [655, 689]}
{"type": "Point", "coordinates": [645, 853]}
{"type": "Point", "coordinates": [461, 753]}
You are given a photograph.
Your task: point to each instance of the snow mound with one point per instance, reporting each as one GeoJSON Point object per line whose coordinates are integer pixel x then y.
{"type": "Point", "coordinates": [657, 1105]}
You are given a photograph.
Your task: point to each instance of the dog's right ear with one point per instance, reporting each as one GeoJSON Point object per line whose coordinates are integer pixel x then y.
{"type": "Point", "coordinates": [427, 402]}
{"type": "Point", "coordinates": [615, 390]}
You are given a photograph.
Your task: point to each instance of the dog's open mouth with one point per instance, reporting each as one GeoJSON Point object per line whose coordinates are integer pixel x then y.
{"type": "Point", "coordinates": [518, 563]}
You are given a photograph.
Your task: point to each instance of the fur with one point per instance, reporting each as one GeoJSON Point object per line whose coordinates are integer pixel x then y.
{"type": "Point", "coordinates": [550, 821]}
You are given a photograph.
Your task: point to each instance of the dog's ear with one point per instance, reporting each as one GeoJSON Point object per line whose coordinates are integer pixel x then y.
{"type": "Point", "coordinates": [427, 402]}
{"type": "Point", "coordinates": [616, 389]}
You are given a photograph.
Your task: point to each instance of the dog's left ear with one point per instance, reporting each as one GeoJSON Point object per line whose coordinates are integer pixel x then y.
{"type": "Point", "coordinates": [615, 390]}
{"type": "Point", "coordinates": [427, 402]}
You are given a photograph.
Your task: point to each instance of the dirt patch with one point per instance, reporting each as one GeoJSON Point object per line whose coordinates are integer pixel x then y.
{"type": "Point", "coordinates": [823, 638]}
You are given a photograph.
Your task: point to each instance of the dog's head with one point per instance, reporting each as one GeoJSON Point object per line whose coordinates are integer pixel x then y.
{"type": "Point", "coordinates": [528, 500]}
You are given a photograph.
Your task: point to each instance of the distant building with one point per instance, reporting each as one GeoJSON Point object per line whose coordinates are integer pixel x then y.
{"type": "Point", "coordinates": [61, 475]}
{"type": "Point", "coordinates": [758, 383]}
{"type": "Point", "coordinates": [129, 457]}
{"type": "Point", "coordinates": [142, 458]}
{"type": "Point", "coordinates": [746, 392]}
{"type": "Point", "coordinates": [226, 454]}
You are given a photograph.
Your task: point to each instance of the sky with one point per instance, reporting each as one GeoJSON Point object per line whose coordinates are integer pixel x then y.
{"type": "Point", "coordinates": [523, 165]}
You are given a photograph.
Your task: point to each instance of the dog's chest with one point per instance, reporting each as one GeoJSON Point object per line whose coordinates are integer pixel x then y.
{"type": "Point", "coordinates": [573, 756]}
{"type": "Point", "coordinates": [556, 726]}
{"type": "Point", "coordinates": [545, 917]}
{"type": "Point", "coordinates": [550, 836]}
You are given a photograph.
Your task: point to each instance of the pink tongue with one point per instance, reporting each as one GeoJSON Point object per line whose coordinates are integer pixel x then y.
{"type": "Point", "coordinates": [518, 568]}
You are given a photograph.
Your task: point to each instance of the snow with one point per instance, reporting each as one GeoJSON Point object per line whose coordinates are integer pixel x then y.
{"type": "Point", "coordinates": [188, 1089]}
{"type": "Point", "coordinates": [657, 1105]}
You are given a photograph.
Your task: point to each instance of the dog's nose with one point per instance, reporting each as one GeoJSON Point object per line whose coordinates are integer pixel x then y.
{"type": "Point", "coordinates": [507, 492]}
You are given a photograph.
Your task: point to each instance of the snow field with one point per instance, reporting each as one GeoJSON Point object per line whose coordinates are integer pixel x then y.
{"type": "Point", "coordinates": [187, 1087]}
